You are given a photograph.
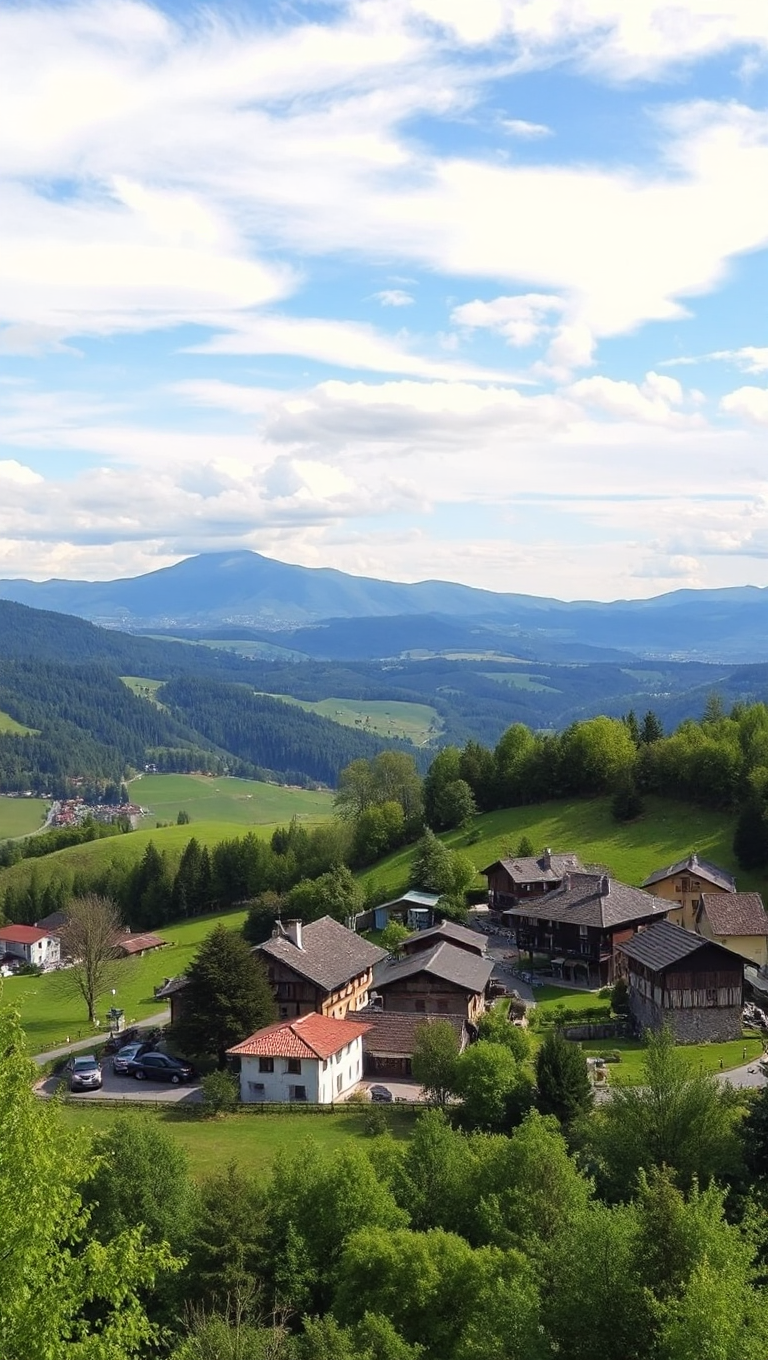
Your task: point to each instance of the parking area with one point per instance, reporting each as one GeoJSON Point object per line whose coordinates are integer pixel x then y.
{"type": "Point", "coordinates": [115, 1087]}
{"type": "Point", "coordinates": [402, 1089]}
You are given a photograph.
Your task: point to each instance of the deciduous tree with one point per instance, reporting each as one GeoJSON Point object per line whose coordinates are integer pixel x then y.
{"type": "Point", "coordinates": [89, 937]}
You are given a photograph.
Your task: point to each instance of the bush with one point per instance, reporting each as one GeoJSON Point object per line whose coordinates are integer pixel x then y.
{"type": "Point", "coordinates": [359, 1097]}
{"type": "Point", "coordinates": [375, 1121]}
{"type": "Point", "coordinates": [221, 1093]}
{"type": "Point", "coordinates": [610, 1056]}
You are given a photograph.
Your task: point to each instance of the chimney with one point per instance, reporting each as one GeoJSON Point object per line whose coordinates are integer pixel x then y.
{"type": "Point", "coordinates": [293, 931]}
{"type": "Point", "coordinates": [566, 885]}
{"type": "Point", "coordinates": [605, 885]}
{"type": "Point", "coordinates": [547, 858]}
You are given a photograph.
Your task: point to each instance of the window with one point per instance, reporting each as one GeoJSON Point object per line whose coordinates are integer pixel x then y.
{"type": "Point", "coordinates": [583, 931]}
{"type": "Point", "coordinates": [298, 1093]}
{"type": "Point", "coordinates": [266, 1064]}
{"type": "Point", "coordinates": [293, 1065]}
{"type": "Point", "coordinates": [686, 885]}
{"type": "Point", "coordinates": [339, 1083]}
{"type": "Point", "coordinates": [256, 1087]}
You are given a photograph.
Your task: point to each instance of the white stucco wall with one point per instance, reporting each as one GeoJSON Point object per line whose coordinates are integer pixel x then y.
{"type": "Point", "coordinates": [323, 1082]}
{"type": "Point", "coordinates": [42, 952]}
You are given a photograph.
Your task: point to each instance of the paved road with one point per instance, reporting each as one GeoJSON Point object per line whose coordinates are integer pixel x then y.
{"type": "Point", "coordinates": [85, 1045]}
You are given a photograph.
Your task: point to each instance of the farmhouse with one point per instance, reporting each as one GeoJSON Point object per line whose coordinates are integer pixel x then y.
{"type": "Point", "coordinates": [29, 944]}
{"type": "Point", "coordinates": [390, 1040]}
{"type": "Point", "coordinates": [682, 884]}
{"type": "Point", "coordinates": [312, 1058]}
{"type": "Point", "coordinates": [581, 922]}
{"type": "Point", "coordinates": [440, 980]}
{"type": "Point", "coordinates": [459, 936]}
{"type": "Point", "coordinates": [511, 881]}
{"type": "Point", "coordinates": [738, 922]}
{"type": "Point", "coordinates": [685, 981]}
{"type": "Point", "coordinates": [319, 967]}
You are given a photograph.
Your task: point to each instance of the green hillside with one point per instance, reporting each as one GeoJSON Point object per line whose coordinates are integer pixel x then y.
{"type": "Point", "coordinates": [218, 798]}
{"type": "Point", "coordinates": [19, 816]}
{"type": "Point", "coordinates": [17, 729]}
{"type": "Point", "coordinates": [667, 831]}
{"type": "Point", "coordinates": [419, 723]}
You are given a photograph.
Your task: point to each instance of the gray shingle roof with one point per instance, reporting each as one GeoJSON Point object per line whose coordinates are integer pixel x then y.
{"type": "Point", "coordinates": [734, 913]}
{"type": "Point", "coordinates": [393, 1033]}
{"type": "Point", "coordinates": [330, 955]}
{"type": "Point", "coordinates": [698, 868]}
{"type": "Point", "coordinates": [412, 898]}
{"type": "Point", "coordinates": [446, 961]}
{"type": "Point", "coordinates": [664, 944]}
{"type": "Point", "coordinates": [589, 899]}
{"type": "Point", "coordinates": [545, 868]}
{"type": "Point", "coordinates": [450, 931]}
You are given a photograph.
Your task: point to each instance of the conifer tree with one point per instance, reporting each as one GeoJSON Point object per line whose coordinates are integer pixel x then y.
{"type": "Point", "coordinates": [227, 997]}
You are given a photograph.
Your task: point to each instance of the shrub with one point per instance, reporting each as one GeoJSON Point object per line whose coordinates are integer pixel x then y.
{"type": "Point", "coordinates": [375, 1121]}
{"type": "Point", "coordinates": [221, 1093]}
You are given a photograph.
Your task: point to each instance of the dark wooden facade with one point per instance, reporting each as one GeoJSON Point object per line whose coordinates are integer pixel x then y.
{"type": "Point", "coordinates": [296, 995]}
{"type": "Point", "coordinates": [699, 997]}
{"type": "Point", "coordinates": [583, 953]}
{"type": "Point", "coordinates": [429, 995]}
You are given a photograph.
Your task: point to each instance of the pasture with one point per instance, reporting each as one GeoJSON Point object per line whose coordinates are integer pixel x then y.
{"type": "Point", "coordinates": [9, 726]}
{"type": "Point", "coordinates": [629, 850]}
{"type": "Point", "coordinates": [252, 1141]}
{"type": "Point", "coordinates": [209, 798]}
{"type": "Point", "coordinates": [417, 723]}
{"type": "Point", "coordinates": [53, 1013]}
{"type": "Point", "coordinates": [143, 688]}
{"type": "Point", "coordinates": [19, 816]}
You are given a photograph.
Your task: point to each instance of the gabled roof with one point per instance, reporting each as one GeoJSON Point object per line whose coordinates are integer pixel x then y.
{"type": "Point", "coordinates": [699, 868]}
{"type": "Point", "coordinates": [330, 955]}
{"type": "Point", "coordinates": [412, 898]}
{"type": "Point", "coordinates": [173, 985]}
{"type": "Point", "coordinates": [445, 961]}
{"type": "Point", "coordinates": [393, 1033]}
{"type": "Point", "coordinates": [593, 899]}
{"type": "Point", "coordinates": [663, 944]}
{"type": "Point", "coordinates": [309, 1036]}
{"type": "Point", "coordinates": [136, 944]}
{"type": "Point", "coordinates": [734, 913]}
{"type": "Point", "coordinates": [450, 931]}
{"type": "Point", "coordinates": [544, 868]}
{"type": "Point", "coordinates": [22, 934]}
{"type": "Point", "coordinates": [52, 923]}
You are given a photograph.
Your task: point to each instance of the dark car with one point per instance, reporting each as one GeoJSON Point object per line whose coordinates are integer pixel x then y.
{"type": "Point", "coordinates": [381, 1094]}
{"type": "Point", "coordinates": [126, 1054]}
{"type": "Point", "coordinates": [84, 1073]}
{"type": "Point", "coordinates": [160, 1067]}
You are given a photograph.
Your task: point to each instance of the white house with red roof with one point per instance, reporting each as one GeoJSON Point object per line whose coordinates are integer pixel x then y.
{"type": "Point", "coordinates": [29, 944]}
{"type": "Point", "coordinates": [313, 1058]}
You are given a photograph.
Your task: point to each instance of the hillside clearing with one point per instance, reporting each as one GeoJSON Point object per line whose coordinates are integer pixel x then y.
{"type": "Point", "coordinates": [417, 723]}
{"type": "Point", "coordinates": [9, 725]}
{"type": "Point", "coordinates": [19, 816]}
{"type": "Point", "coordinates": [53, 1015]}
{"type": "Point", "coordinates": [209, 798]}
{"type": "Point", "coordinates": [629, 850]}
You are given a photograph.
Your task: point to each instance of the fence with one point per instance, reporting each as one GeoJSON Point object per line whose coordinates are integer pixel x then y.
{"type": "Point", "coordinates": [198, 1110]}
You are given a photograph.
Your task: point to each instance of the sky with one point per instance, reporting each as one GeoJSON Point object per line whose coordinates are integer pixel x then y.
{"type": "Point", "coordinates": [463, 289]}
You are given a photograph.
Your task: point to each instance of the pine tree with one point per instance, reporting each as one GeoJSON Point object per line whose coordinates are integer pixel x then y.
{"type": "Point", "coordinates": [227, 997]}
{"type": "Point", "coordinates": [651, 729]}
{"type": "Point", "coordinates": [562, 1079]}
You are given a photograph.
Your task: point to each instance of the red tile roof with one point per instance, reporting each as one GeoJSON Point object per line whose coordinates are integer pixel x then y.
{"type": "Point", "coordinates": [135, 944]}
{"type": "Point", "coordinates": [23, 934]}
{"type": "Point", "coordinates": [308, 1036]}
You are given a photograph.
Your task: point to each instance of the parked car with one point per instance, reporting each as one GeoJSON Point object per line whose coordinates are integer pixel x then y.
{"type": "Point", "coordinates": [126, 1055]}
{"type": "Point", "coordinates": [381, 1094]}
{"type": "Point", "coordinates": [160, 1067]}
{"type": "Point", "coordinates": [84, 1073]}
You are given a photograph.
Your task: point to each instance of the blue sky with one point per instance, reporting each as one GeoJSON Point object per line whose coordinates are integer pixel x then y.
{"type": "Point", "coordinates": [469, 289]}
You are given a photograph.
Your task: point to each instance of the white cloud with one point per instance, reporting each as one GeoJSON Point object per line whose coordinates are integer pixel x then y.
{"type": "Point", "coordinates": [653, 400]}
{"type": "Point", "coordinates": [750, 358]}
{"type": "Point", "coordinates": [11, 471]}
{"type": "Point", "coordinates": [521, 319]}
{"type": "Point", "coordinates": [749, 402]}
{"type": "Point", "coordinates": [394, 297]}
{"type": "Point", "coordinates": [518, 127]}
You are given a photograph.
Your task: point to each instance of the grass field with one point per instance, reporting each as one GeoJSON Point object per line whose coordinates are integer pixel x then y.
{"type": "Point", "coordinates": [418, 723]}
{"type": "Point", "coordinates": [10, 725]}
{"type": "Point", "coordinates": [52, 1014]}
{"type": "Point", "coordinates": [213, 799]}
{"type": "Point", "coordinates": [19, 816]}
{"type": "Point", "coordinates": [704, 1058]}
{"type": "Point", "coordinates": [143, 688]}
{"type": "Point", "coordinates": [521, 680]}
{"type": "Point", "coordinates": [253, 1141]}
{"type": "Point", "coordinates": [629, 850]}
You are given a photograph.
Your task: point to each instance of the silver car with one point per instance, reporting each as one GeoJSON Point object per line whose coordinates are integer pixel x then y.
{"type": "Point", "coordinates": [124, 1056]}
{"type": "Point", "coordinates": [84, 1073]}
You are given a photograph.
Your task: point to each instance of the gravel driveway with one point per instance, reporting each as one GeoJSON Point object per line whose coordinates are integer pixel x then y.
{"type": "Point", "coordinates": [128, 1089]}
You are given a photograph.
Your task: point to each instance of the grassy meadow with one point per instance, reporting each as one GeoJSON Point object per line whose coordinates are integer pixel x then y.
{"type": "Point", "coordinates": [629, 850]}
{"type": "Point", "coordinates": [219, 798]}
{"type": "Point", "coordinates": [252, 1141]}
{"type": "Point", "coordinates": [418, 723]}
{"type": "Point", "coordinates": [19, 816]}
{"type": "Point", "coordinates": [52, 1013]}
{"type": "Point", "coordinates": [10, 725]}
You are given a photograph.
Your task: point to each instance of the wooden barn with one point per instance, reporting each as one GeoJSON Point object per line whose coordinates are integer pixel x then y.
{"type": "Point", "coordinates": [684, 981]}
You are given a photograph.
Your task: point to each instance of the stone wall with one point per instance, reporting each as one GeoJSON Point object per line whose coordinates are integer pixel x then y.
{"type": "Point", "coordinates": [698, 1025]}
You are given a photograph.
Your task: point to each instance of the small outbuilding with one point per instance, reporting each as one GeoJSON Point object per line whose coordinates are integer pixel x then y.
{"type": "Point", "coordinates": [683, 981]}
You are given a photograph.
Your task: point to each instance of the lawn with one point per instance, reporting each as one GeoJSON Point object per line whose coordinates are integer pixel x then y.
{"type": "Point", "coordinates": [418, 723]}
{"type": "Point", "coordinates": [549, 998]}
{"type": "Point", "coordinates": [252, 1140]}
{"type": "Point", "coordinates": [221, 799]}
{"type": "Point", "coordinates": [53, 1015]}
{"type": "Point", "coordinates": [699, 1057]}
{"type": "Point", "coordinates": [19, 816]}
{"type": "Point", "coordinates": [629, 850]}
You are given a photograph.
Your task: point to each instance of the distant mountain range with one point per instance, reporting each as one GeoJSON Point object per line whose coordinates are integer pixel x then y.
{"type": "Point", "coordinates": [318, 612]}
